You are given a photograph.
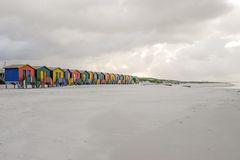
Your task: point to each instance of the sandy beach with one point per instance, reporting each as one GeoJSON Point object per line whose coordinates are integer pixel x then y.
{"type": "Point", "coordinates": [122, 122]}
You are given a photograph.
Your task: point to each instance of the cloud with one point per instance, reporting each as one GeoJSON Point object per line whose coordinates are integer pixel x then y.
{"type": "Point", "coordinates": [162, 38]}
{"type": "Point", "coordinates": [233, 44]}
{"type": "Point", "coordinates": [76, 28]}
{"type": "Point", "coordinates": [207, 59]}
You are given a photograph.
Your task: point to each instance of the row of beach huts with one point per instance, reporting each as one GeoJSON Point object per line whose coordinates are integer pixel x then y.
{"type": "Point", "coordinates": [25, 75]}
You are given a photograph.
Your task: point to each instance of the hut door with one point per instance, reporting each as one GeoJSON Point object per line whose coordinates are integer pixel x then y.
{"type": "Point", "coordinates": [28, 73]}
{"type": "Point", "coordinates": [57, 75]}
{"type": "Point", "coordinates": [24, 74]}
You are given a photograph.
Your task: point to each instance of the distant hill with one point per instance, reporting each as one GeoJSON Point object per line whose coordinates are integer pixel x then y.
{"type": "Point", "coordinates": [165, 81]}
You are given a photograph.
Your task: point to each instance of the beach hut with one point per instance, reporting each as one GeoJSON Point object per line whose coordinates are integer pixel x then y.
{"type": "Point", "coordinates": [107, 78]}
{"type": "Point", "coordinates": [122, 79]}
{"type": "Point", "coordinates": [101, 78]}
{"type": "Point", "coordinates": [127, 79]}
{"type": "Point", "coordinates": [95, 77]}
{"type": "Point", "coordinates": [112, 78]}
{"type": "Point", "coordinates": [118, 78]}
{"type": "Point", "coordinates": [43, 76]}
{"type": "Point", "coordinates": [76, 76]}
{"type": "Point", "coordinates": [84, 77]}
{"type": "Point", "coordinates": [91, 77]}
{"type": "Point", "coordinates": [98, 78]}
{"type": "Point", "coordinates": [57, 75]}
{"type": "Point", "coordinates": [21, 75]}
{"type": "Point", "coordinates": [68, 77]}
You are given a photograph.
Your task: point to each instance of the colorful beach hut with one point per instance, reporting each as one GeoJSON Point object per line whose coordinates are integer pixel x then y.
{"type": "Point", "coordinates": [68, 77]}
{"type": "Point", "coordinates": [43, 76]}
{"type": "Point", "coordinates": [112, 78]}
{"type": "Point", "coordinates": [21, 75]}
{"type": "Point", "coordinates": [101, 78]}
{"type": "Point", "coordinates": [91, 77]}
{"type": "Point", "coordinates": [107, 78]}
{"type": "Point", "coordinates": [84, 77]}
{"type": "Point", "coordinates": [57, 75]}
{"type": "Point", "coordinates": [76, 76]}
{"type": "Point", "coordinates": [102, 75]}
{"type": "Point", "coordinates": [118, 78]}
{"type": "Point", "coordinates": [98, 78]}
{"type": "Point", "coordinates": [95, 77]}
{"type": "Point", "coordinates": [127, 79]}
{"type": "Point", "coordinates": [122, 79]}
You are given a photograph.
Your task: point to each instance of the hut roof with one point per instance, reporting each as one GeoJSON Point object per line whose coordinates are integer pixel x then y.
{"type": "Point", "coordinates": [37, 67]}
{"type": "Point", "coordinates": [75, 70]}
{"type": "Point", "coordinates": [17, 66]}
{"type": "Point", "coordinates": [53, 68]}
{"type": "Point", "coordinates": [66, 70]}
{"type": "Point", "coordinates": [82, 71]}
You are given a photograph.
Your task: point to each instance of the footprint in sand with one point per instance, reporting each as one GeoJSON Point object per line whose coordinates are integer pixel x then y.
{"type": "Point", "coordinates": [188, 117]}
{"type": "Point", "coordinates": [181, 122]}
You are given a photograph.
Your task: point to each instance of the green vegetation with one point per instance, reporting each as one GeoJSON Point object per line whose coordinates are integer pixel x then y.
{"type": "Point", "coordinates": [158, 81]}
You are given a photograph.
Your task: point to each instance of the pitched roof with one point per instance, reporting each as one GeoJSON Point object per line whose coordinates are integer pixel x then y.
{"type": "Point", "coordinates": [37, 67]}
{"type": "Point", "coordinates": [75, 70]}
{"type": "Point", "coordinates": [66, 70]}
{"type": "Point", "coordinates": [82, 71]}
{"type": "Point", "coordinates": [15, 65]}
{"type": "Point", "coordinates": [53, 68]}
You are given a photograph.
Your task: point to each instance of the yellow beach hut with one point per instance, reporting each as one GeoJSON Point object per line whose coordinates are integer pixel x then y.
{"type": "Point", "coordinates": [91, 77]}
{"type": "Point", "coordinates": [113, 78]}
{"type": "Point", "coordinates": [57, 76]}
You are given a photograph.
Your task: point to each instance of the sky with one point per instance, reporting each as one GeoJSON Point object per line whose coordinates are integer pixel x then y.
{"type": "Point", "coordinates": [169, 39]}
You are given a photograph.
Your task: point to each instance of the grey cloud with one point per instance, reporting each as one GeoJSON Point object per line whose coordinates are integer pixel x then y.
{"type": "Point", "coordinates": [203, 60]}
{"type": "Point", "coordinates": [80, 28]}
{"type": "Point", "coordinates": [120, 36]}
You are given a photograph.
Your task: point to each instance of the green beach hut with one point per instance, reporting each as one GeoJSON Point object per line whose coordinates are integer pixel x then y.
{"type": "Point", "coordinates": [43, 76]}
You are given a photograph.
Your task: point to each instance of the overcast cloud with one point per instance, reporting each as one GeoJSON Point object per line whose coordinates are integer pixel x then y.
{"type": "Point", "coordinates": [186, 40]}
